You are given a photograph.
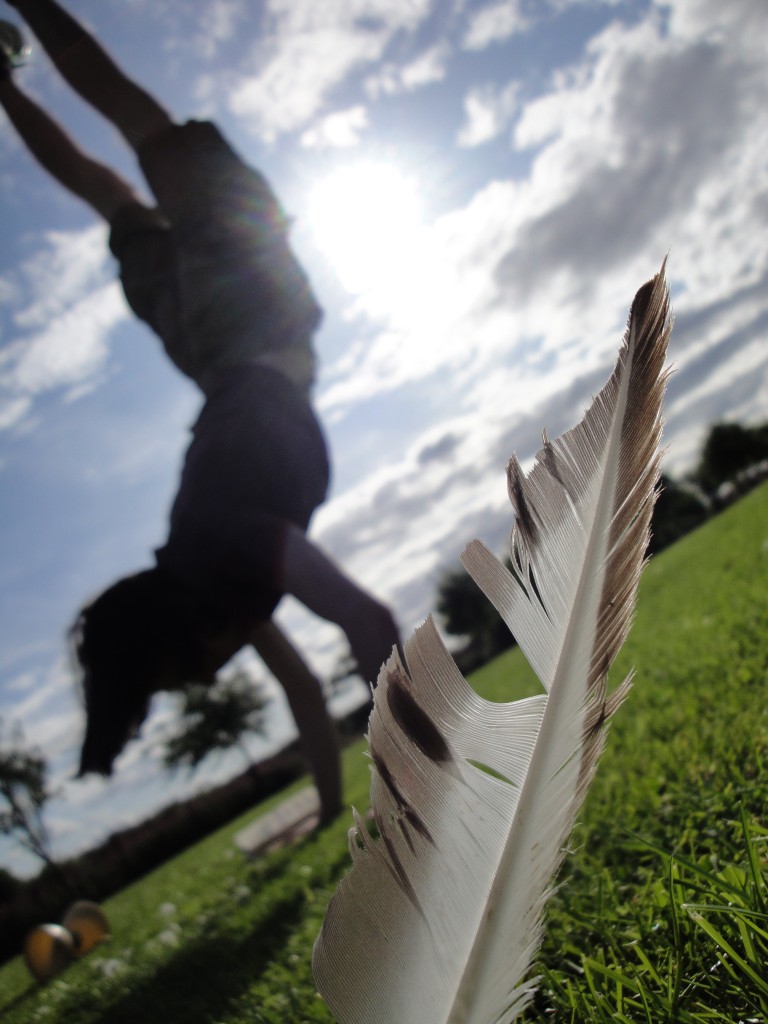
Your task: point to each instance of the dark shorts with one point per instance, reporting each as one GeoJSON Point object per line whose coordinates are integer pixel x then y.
{"type": "Point", "coordinates": [257, 462]}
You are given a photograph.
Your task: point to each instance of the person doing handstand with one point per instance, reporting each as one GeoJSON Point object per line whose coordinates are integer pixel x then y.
{"type": "Point", "coordinates": [210, 270]}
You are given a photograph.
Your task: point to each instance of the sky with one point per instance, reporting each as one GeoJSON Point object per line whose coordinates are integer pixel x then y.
{"type": "Point", "coordinates": [478, 189]}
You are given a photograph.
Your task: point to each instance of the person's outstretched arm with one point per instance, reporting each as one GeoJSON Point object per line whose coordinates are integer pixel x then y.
{"type": "Point", "coordinates": [88, 68]}
{"type": "Point", "coordinates": [54, 150]}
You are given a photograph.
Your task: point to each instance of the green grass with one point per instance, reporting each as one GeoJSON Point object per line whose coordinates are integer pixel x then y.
{"type": "Point", "coordinates": [662, 911]}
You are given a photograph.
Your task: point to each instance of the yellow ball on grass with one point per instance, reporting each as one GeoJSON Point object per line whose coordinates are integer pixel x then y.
{"type": "Point", "coordinates": [88, 924]}
{"type": "Point", "coordinates": [48, 949]}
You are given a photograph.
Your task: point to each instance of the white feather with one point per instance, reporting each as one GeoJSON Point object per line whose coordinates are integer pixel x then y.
{"type": "Point", "coordinates": [439, 919]}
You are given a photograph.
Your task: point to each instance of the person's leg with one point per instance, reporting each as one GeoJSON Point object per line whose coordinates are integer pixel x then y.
{"type": "Point", "coordinates": [92, 73]}
{"type": "Point", "coordinates": [307, 704]}
{"type": "Point", "coordinates": [55, 151]}
{"type": "Point", "coordinates": [312, 578]}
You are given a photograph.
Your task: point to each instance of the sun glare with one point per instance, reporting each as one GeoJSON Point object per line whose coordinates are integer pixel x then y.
{"type": "Point", "coordinates": [365, 217]}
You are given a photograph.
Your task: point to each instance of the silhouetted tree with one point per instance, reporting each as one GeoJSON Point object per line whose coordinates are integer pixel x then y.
{"type": "Point", "coordinates": [466, 612]}
{"type": "Point", "coordinates": [23, 794]}
{"type": "Point", "coordinates": [678, 510]}
{"type": "Point", "coordinates": [729, 448]}
{"type": "Point", "coordinates": [9, 886]}
{"type": "Point", "coordinates": [216, 718]}
{"type": "Point", "coordinates": [343, 675]}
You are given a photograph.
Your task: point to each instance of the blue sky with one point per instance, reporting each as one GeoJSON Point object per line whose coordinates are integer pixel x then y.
{"type": "Point", "coordinates": [478, 190]}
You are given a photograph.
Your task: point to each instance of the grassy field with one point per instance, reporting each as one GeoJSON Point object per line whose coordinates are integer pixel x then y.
{"type": "Point", "coordinates": [662, 914]}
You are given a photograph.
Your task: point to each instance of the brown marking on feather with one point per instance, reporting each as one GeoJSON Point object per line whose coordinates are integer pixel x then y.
{"type": "Point", "coordinates": [401, 876]}
{"type": "Point", "coordinates": [415, 722]}
{"type": "Point", "coordinates": [551, 462]}
{"type": "Point", "coordinates": [525, 521]}
{"type": "Point", "coordinates": [404, 808]}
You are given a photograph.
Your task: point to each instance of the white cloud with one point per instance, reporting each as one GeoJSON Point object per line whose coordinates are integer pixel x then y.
{"type": "Point", "coordinates": [563, 5]}
{"type": "Point", "coordinates": [8, 292]}
{"type": "Point", "coordinates": [294, 84]}
{"type": "Point", "coordinates": [36, 700]}
{"type": "Point", "coordinates": [488, 112]}
{"type": "Point", "coordinates": [222, 18]}
{"type": "Point", "coordinates": [71, 349]}
{"type": "Point", "coordinates": [185, 34]}
{"type": "Point", "coordinates": [426, 69]}
{"type": "Point", "coordinates": [60, 273]}
{"type": "Point", "coordinates": [429, 67]}
{"type": "Point", "coordinates": [741, 23]}
{"type": "Point", "coordinates": [13, 410]}
{"type": "Point", "coordinates": [311, 48]}
{"type": "Point", "coordinates": [22, 683]}
{"type": "Point", "coordinates": [494, 23]}
{"type": "Point", "coordinates": [66, 307]}
{"type": "Point", "coordinates": [341, 130]}
{"type": "Point", "coordinates": [643, 138]}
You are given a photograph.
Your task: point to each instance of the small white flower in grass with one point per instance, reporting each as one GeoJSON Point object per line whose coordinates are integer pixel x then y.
{"type": "Point", "coordinates": [170, 937]}
{"type": "Point", "coordinates": [111, 968]}
{"type": "Point", "coordinates": [167, 909]}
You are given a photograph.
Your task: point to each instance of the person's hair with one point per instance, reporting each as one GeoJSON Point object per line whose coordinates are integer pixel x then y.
{"type": "Point", "coordinates": [142, 634]}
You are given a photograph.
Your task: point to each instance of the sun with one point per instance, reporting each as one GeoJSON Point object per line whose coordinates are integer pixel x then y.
{"type": "Point", "coordinates": [365, 218]}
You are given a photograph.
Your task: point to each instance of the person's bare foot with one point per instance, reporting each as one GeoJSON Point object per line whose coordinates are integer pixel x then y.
{"type": "Point", "coordinates": [13, 49]}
